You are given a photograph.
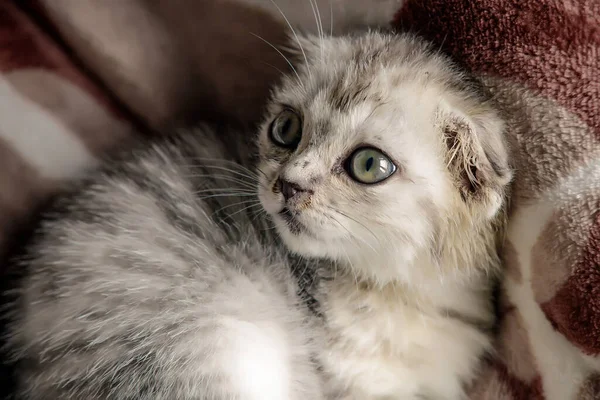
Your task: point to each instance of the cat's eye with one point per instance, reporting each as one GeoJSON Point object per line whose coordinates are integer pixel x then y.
{"type": "Point", "coordinates": [369, 165]}
{"type": "Point", "coordinates": [286, 129]}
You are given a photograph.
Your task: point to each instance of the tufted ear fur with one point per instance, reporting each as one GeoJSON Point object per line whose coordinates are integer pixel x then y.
{"type": "Point", "coordinates": [476, 156]}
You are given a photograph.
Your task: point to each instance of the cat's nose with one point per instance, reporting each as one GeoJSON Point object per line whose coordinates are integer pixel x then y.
{"type": "Point", "coordinates": [289, 189]}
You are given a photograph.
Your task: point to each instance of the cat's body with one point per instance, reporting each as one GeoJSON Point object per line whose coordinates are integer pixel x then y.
{"type": "Point", "coordinates": [154, 280]}
{"type": "Point", "coordinates": [136, 290]}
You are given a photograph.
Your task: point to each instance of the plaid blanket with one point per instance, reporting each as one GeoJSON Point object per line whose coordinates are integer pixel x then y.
{"type": "Point", "coordinates": [79, 77]}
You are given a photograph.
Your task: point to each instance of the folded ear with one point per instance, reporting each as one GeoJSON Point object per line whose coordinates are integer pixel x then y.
{"type": "Point", "coordinates": [476, 155]}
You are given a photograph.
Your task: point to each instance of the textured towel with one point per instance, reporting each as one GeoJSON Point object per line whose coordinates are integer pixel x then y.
{"type": "Point", "coordinates": [543, 59]}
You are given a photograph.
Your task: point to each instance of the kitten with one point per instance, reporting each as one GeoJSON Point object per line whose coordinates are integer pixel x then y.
{"type": "Point", "coordinates": [380, 164]}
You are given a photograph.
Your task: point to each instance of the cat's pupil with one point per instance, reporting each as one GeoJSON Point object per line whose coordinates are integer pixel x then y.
{"type": "Point", "coordinates": [286, 126]}
{"type": "Point", "coordinates": [369, 163]}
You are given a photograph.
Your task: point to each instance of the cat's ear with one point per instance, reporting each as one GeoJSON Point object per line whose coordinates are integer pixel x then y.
{"type": "Point", "coordinates": [476, 155]}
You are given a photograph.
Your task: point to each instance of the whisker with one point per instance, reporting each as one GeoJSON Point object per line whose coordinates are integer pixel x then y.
{"type": "Point", "coordinates": [350, 233]}
{"type": "Point", "coordinates": [238, 173]}
{"type": "Point", "coordinates": [295, 35]}
{"type": "Point", "coordinates": [256, 216]}
{"type": "Point", "coordinates": [314, 10]}
{"type": "Point", "coordinates": [233, 164]}
{"type": "Point", "coordinates": [225, 190]}
{"type": "Point", "coordinates": [225, 195]}
{"type": "Point", "coordinates": [245, 208]}
{"type": "Point", "coordinates": [282, 55]}
{"type": "Point", "coordinates": [352, 269]}
{"type": "Point", "coordinates": [238, 168]}
{"type": "Point", "coordinates": [274, 67]}
{"type": "Point", "coordinates": [442, 43]}
{"type": "Point", "coordinates": [261, 213]}
{"type": "Point", "coordinates": [227, 178]}
{"type": "Point", "coordinates": [306, 265]}
{"type": "Point", "coordinates": [234, 185]}
{"type": "Point", "coordinates": [353, 219]}
{"type": "Point", "coordinates": [320, 24]}
{"type": "Point", "coordinates": [262, 173]}
{"type": "Point", "coordinates": [330, 17]}
{"type": "Point", "coordinates": [233, 182]}
{"type": "Point", "coordinates": [375, 109]}
{"type": "Point", "coordinates": [234, 205]}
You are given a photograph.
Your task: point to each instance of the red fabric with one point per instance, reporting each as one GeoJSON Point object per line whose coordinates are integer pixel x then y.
{"type": "Point", "coordinates": [551, 46]}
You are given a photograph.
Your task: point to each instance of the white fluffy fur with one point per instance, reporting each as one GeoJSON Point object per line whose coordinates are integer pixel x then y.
{"type": "Point", "coordinates": [257, 360]}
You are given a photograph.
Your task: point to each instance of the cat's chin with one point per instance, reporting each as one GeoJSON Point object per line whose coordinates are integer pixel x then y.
{"type": "Point", "coordinates": [301, 240]}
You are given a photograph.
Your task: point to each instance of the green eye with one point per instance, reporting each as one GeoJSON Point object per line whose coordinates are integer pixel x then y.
{"type": "Point", "coordinates": [286, 129]}
{"type": "Point", "coordinates": [369, 165]}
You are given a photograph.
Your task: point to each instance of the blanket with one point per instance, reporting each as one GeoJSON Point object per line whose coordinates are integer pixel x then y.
{"type": "Point", "coordinates": [542, 59]}
{"type": "Point", "coordinates": [79, 78]}
{"type": "Point", "coordinates": [53, 117]}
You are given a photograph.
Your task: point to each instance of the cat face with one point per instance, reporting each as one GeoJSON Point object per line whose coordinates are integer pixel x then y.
{"type": "Point", "coordinates": [373, 150]}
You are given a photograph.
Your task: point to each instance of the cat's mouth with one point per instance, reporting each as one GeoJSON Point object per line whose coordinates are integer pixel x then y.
{"type": "Point", "coordinates": [290, 218]}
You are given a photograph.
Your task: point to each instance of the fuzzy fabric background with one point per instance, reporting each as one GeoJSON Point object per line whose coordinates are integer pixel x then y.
{"type": "Point", "coordinates": [79, 77]}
